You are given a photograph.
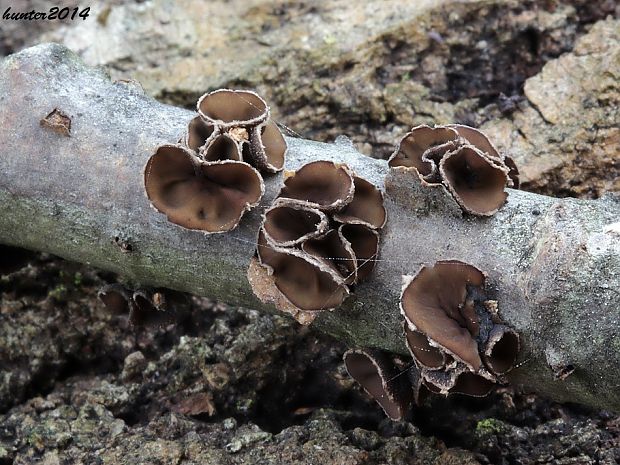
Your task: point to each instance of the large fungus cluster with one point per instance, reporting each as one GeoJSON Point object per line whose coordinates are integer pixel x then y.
{"type": "Point", "coordinates": [212, 178]}
{"type": "Point", "coordinates": [454, 334]}
{"type": "Point", "coordinates": [461, 159]}
{"type": "Point", "coordinates": [318, 239]}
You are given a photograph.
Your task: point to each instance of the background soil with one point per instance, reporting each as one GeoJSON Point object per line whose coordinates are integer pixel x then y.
{"type": "Point", "coordinates": [231, 385]}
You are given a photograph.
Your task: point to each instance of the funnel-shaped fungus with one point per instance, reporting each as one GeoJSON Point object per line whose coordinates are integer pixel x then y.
{"type": "Point", "coordinates": [413, 146]}
{"type": "Point", "coordinates": [198, 132]}
{"type": "Point", "coordinates": [288, 223]}
{"type": "Point", "coordinates": [318, 238]}
{"type": "Point", "coordinates": [422, 351]}
{"type": "Point", "coordinates": [476, 182]}
{"type": "Point", "coordinates": [302, 279]}
{"type": "Point", "coordinates": [336, 252]}
{"type": "Point", "coordinates": [225, 108]}
{"type": "Point", "coordinates": [366, 207]}
{"type": "Point", "coordinates": [472, 384]}
{"type": "Point", "coordinates": [378, 375]}
{"type": "Point", "coordinates": [151, 309]}
{"type": "Point", "coordinates": [500, 354]}
{"type": "Point", "coordinates": [432, 303]}
{"type": "Point", "coordinates": [116, 298]}
{"type": "Point", "coordinates": [463, 160]}
{"type": "Point", "coordinates": [221, 147]}
{"type": "Point", "coordinates": [365, 244]}
{"type": "Point", "coordinates": [211, 197]}
{"type": "Point", "coordinates": [323, 184]}
{"type": "Point", "coordinates": [268, 147]}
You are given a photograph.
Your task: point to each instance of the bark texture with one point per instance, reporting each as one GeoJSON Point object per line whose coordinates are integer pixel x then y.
{"type": "Point", "coordinates": [554, 264]}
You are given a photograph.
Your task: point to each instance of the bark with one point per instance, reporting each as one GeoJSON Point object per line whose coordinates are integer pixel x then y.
{"type": "Point", "coordinates": [554, 264]}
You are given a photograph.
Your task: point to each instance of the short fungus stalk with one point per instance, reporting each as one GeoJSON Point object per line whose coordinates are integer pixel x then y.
{"type": "Point", "coordinates": [318, 240]}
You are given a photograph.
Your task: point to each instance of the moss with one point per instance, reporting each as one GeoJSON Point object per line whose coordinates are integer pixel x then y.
{"type": "Point", "coordinates": [490, 426]}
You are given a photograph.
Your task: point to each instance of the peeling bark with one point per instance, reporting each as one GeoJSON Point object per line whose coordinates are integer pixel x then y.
{"type": "Point", "coordinates": [552, 264]}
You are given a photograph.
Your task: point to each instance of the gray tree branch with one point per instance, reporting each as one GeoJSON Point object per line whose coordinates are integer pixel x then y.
{"type": "Point", "coordinates": [554, 264]}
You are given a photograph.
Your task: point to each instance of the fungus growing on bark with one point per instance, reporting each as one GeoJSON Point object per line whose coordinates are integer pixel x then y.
{"type": "Point", "coordinates": [313, 243]}
{"type": "Point", "coordinates": [500, 354]}
{"type": "Point", "coordinates": [198, 132]}
{"type": "Point", "coordinates": [289, 223]}
{"type": "Point", "coordinates": [208, 196]}
{"type": "Point", "coordinates": [366, 208]}
{"type": "Point", "coordinates": [301, 278]}
{"type": "Point", "coordinates": [432, 303]}
{"type": "Point", "coordinates": [463, 160]}
{"type": "Point", "coordinates": [325, 185]}
{"type": "Point", "coordinates": [451, 327]}
{"type": "Point", "coordinates": [375, 371]}
{"type": "Point", "coordinates": [143, 308]}
{"type": "Point", "coordinates": [226, 108]}
{"type": "Point", "coordinates": [267, 147]}
{"type": "Point", "coordinates": [221, 147]}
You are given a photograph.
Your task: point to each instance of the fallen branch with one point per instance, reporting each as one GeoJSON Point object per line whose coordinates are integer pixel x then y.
{"type": "Point", "coordinates": [73, 186]}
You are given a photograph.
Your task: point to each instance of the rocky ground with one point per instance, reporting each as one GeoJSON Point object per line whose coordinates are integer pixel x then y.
{"type": "Point", "coordinates": [230, 385]}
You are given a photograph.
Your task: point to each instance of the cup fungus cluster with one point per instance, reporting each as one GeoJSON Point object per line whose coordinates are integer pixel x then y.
{"type": "Point", "coordinates": [209, 180]}
{"type": "Point", "coordinates": [463, 161]}
{"type": "Point", "coordinates": [458, 343]}
{"type": "Point", "coordinates": [143, 307]}
{"type": "Point", "coordinates": [318, 239]}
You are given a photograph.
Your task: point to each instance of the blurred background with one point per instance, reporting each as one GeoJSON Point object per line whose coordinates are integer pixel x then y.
{"type": "Point", "coordinates": [230, 385]}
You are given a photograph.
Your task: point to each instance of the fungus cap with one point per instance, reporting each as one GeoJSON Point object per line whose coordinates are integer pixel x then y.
{"type": "Point", "coordinates": [365, 244]}
{"type": "Point", "coordinates": [207, 196]}
{"type": "Point", "coordinates": [302, 279]}
{"type": "Point", "coordinates": [221, 147]}
{"type": "Point", "coordinates": [115, 297]}
{"type": "Point", "coordinates": [289, 223]}
{"type": "Point", "coordinates": [425, 355]}
{"type": "Point", "coordinates": [475, 181]}
{"type": "Point", "coordinates": [502, 348]}
{"type": "Point", "coordinates": [366, 208]}
{"type": "Point", "coordinates": [268, 147]}
{"type": "Point", "coordinates": [198, 132]}
{"type": "Point", "coordinates": [228, 108]}
{"type": "Point", "coordinates": [379, 377]}
{"type": "Point", "coordinates": [432, 302]}
{"type": "Point", "coordinates": [323, 184]}
{"type": "Point", "coordinates": [336, 252]}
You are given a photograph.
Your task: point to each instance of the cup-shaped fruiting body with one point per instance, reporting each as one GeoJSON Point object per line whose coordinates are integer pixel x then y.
{"type": "Point", "coordinates": [288, 223]}
{"type": "Point", "coordinates": [366, 208]}
{"type": "Point", "coordinates": [198, 132]}
{"type": "Point", "coordinates": [226, 108]}
{"type": "Point", "coordinates": [453, 330]}
{"type": "Point", "coordinates": [500, 354]}
{"type": "Point", "coordinates": [301, 278]}
{"type": "Point", "coordinates": [328, 231]}
{"type": "Point", "coordinates": [432, 303]}
{"type": "Point", "coordinates": [375, 371]}
{"type": "Point", "coordinates": [463, 160]}
{"type": "Point", "coordinates": [325, 185]}
{"type": "Point", "coordinates": [235, 125]}
{"type": "Point", "coordinates": [474, 180]}
{"type": "Point", "coordinates": [143, 307]}
{"type": "Point", "coordinates": [207, 196]}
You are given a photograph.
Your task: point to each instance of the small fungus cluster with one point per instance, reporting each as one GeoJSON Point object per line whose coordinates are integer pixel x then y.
{"type": "Point", "coordinates": [452, 329]}
{"type": "Point", "coordinates": [212, 178]}
{"type": "Point", "coordinates": [320, 237]}
{"type": "Point", "coordinates": [143, 307]}
{"type": "Point", "coordinates": [463, 160]}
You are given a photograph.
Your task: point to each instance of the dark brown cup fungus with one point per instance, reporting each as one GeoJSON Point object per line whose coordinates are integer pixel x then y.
{"type": "Point", "coordinates": [302, 279]}
{"type": "Point", "coordinates": [432, 303]}
{"type": "Point", "coordinates": [221, 147]}
{"type": "Point", "coordinates": [288, 223]}
{"type": "Point", "coordinates": [325, 185]}
{"type": "Point", "coordinates": [243, 116]}
{"type": "Point", "coordinates": [453, 330]}
{"type": "Point", "coordinates": [207, 196]}
{"type": "Point", "coordinates": [463, 160]}
{"type": "Point", "coordinates": [198, 132]}
{"type": "Point", "coordinates": [378, 375]}
{"type": "Point", "coordinates": [143, 308]}
{"type": "Point", "coordinates": [319, 237]}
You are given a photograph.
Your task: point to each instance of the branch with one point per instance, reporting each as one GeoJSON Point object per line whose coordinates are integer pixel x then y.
{"type": "Point", "coordinates": [78, 193]}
